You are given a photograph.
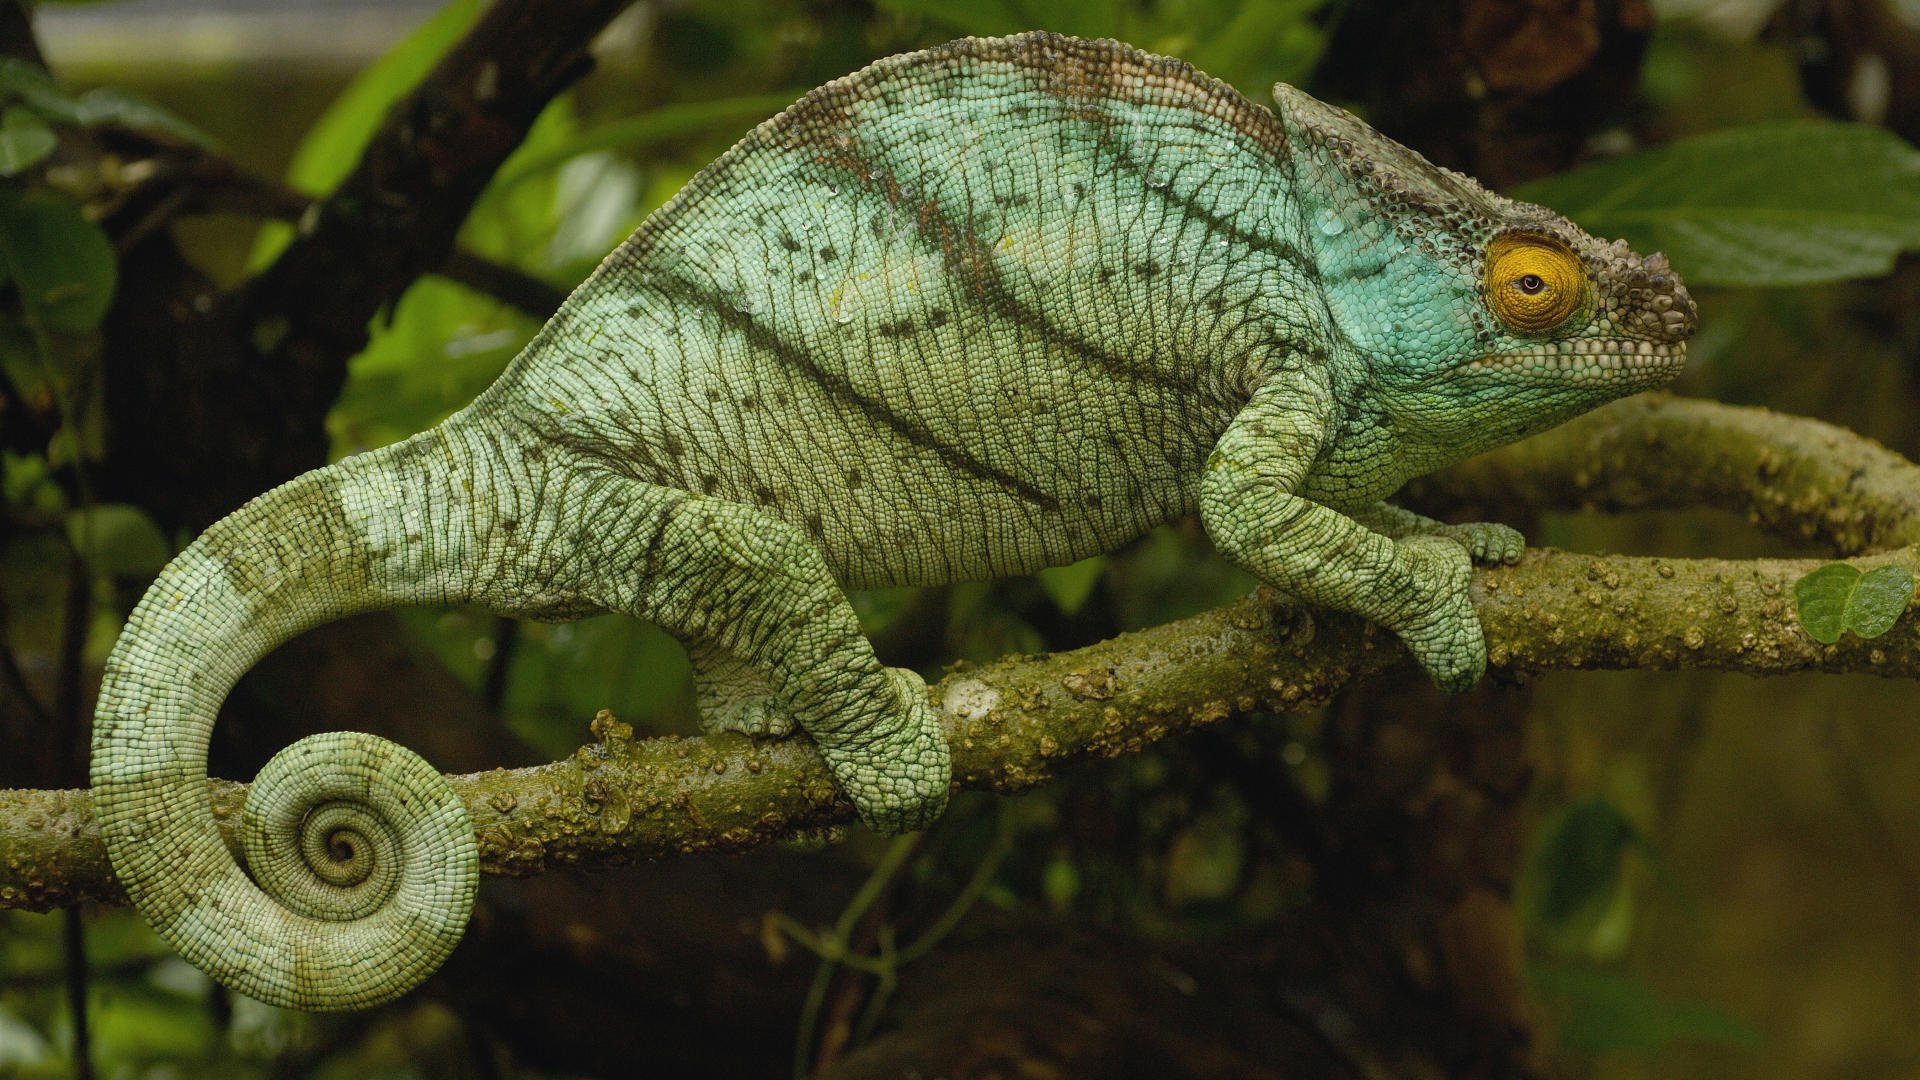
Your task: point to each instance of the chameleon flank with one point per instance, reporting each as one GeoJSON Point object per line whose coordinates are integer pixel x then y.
{"type": "Point", "coordinates": [973, 311]}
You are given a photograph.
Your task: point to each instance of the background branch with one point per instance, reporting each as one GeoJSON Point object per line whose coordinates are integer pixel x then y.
{"type": "Point", "coordinates": [255, 369]}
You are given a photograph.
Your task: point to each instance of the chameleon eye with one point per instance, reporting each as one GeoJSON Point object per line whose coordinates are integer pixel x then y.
{"type": "Point", "coordinates": [1534, 282]}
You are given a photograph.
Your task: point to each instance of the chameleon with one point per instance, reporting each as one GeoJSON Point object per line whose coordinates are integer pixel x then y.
{"type": "Point", "coordinates": [969, 312]}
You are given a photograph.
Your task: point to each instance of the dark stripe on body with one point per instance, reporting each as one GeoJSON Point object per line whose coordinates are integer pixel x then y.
{"type": "Point", "coordinates": [681, 291]}
{"type": "Point", "coordinates": [1117, 151]}
{"type": "Point", "coordinates": [973, 263]}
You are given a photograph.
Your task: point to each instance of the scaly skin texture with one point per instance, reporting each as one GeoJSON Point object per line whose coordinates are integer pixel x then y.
{"type": "Point", "coordinates": [969, 312]}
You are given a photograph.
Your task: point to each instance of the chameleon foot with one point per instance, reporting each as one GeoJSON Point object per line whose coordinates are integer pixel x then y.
{"type": "Point", "coordinates": [1445, 637]}
{"type": "Point", "coordinates": [1488, 542]}
{"type": "Point", "coordinates": [898, 774]}
{"type": "Point", "coordinates": [733, 695]}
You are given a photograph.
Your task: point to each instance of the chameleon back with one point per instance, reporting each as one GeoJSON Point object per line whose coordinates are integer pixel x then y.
{"type": "Point", "coordinates": [968, 312]}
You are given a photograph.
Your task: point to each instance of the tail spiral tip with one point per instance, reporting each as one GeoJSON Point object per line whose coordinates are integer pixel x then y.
{"type": "Point", "coordinates": [364, 837]}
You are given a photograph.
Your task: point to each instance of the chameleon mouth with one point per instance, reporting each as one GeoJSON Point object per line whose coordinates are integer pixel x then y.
{"type": "Point", "coordinates": [1623, 361]}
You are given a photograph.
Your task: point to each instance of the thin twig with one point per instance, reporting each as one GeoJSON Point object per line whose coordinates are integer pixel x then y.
{"type": "Point", "coordinates": [75, 940]}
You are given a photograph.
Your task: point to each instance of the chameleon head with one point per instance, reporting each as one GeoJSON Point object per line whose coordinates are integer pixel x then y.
{"type": "Point", "coordinates": [1478, 319]}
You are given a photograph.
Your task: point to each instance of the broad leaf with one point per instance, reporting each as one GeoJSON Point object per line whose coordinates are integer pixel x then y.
{"type": "Point", "coordinates": [1572, 893]}
{"type": "Point", "coordinates": [1785, 203]}
{"type": "Point", "coordinates": [62, 263]}
{"type": "Point", "coordinates": [1878, 600]}
{"type": "Point", "coordinates": [30, 83]}
{"type": "Point", "coordinates": [1821, 598]}
{"type": "Point", "coordinates": [100, 107]}
{"type": "Point", "coordinates": [334, 142]}
{"type": "Point", "coordinates": [991, 18]}
{"type": "Point", "coordinates": [24, 141]}
{"type": "Point", "coordinates": [651, 128]}
{"type": "Point", "coordinates": [1603, 1011]}
{"type": "Point", "coordinates": [111, 106]}
{"type": "Point", "coordinates": [118, 539]}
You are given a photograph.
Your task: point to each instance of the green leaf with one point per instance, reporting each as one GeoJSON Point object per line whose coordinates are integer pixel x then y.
{"type": "Point", "coordinates": [20, 1045]}
{"type": "Point", "coordinates": [1573, 887]}
{"type": "Point", "coordinates": [1603, 1011]}
{"type": "Point", "coordinates": [24, 140]}
{"type": "Point", "coordinates": [1060, 883]}
{"type": "Point", "coordinates": [30, 83]}
{"type": "Point", "coordinates": [1783, 203]}
{"type": "Point", "coordinates": [1821, 599]}
{"type": "Point", "coordinates": [983, 18]}
{"type": "Point", "coordinates": [1837, 597]}
{"type": "Point", "coordinates": [1258, 45]}
{"type": "Point", "coordinates": [1878, 600]}
{"type": "Point", "coordinates": [442, 345]}
{"type": "Point", "coordinates": [333, 144]}
{"type": "Point", "coordinates": [104, 106]}
{"type": "Point", "coordinates": [63, 264]}
{"type": "Point", "coordinates": [1070, 586]}
{"type": "Point", "coordinates": [118, 539]}
{"type": "Point", "coordinates": [878, 607]}
{"type": "Point", "coordinates": [111, 106]}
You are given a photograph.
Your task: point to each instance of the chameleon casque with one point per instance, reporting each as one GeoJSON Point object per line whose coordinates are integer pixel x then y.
{"type": "Point", "coordinates": [969, 312]}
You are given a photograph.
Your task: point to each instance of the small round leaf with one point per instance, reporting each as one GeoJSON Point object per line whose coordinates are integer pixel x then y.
{"type": "Point", "coordinates": [1821, 598]}
{"type": "Point", "coordinates": [1878, 599]}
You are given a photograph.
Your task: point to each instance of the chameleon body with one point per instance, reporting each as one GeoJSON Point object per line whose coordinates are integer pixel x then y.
{"type": "Point", "coordinates": [969, 312]}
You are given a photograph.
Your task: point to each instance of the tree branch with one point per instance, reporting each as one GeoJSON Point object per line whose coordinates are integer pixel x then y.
{"type": "Point", "coordinates": [252, 372]}
{"type": "Point", "coordinates": [1015, 722]}
{"type": "Point", "coordinates": [198, 180]}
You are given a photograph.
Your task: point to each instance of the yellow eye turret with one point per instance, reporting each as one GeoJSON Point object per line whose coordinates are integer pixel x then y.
{"type": "Point", "coordinates": [1533, 282]}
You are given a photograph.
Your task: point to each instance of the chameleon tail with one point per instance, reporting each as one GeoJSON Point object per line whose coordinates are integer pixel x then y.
{"type": "Point", "coordinates": [364, 859]}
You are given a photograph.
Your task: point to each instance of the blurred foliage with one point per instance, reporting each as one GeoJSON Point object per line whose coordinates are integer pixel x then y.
{"type": "Point", "coordinates": [1602, 1011]}
{"type": "Point", "coordinates": [1760, 196]}
{"type": "Point", "coordinates": [1794, 202]}
{"type": "Point", "coordinates": [39, 96]}
{"type": "Point", "coordinates": [1251, 46]}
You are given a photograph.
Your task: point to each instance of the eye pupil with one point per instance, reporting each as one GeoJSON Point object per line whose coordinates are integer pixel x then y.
{"type": "Point", "coordinates": [1531, 284]}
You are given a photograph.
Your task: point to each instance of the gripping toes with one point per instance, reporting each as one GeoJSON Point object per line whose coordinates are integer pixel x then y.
{"type": "Point", "coordinates": [1489, 542]}
{"type": "Point", "coordinates": [898, 773]}
{"type": "Point", "coordinates": [1441, 629]}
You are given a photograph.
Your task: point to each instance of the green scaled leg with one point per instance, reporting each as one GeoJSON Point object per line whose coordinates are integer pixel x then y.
{"type": "Point", "coordinates": [1488, 542]}
{"type": "Point", "coordinates": [772, 636]}
{"type": "Point", "coordinates": [1416, 585]}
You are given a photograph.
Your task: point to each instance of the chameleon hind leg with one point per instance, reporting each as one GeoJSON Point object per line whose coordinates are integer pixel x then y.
{"type": "Point", "coordinates": [734, 694]}
{"type": "Point", "coordinates": [772, 637]}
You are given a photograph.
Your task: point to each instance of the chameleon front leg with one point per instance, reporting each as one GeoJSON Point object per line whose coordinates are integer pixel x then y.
{"type": "Point", "coordinates": [1488, 542]}
{"type": "Point", "coordinates": [746, 590]}
{"type": "Point", "coordinates": [1415, 585]}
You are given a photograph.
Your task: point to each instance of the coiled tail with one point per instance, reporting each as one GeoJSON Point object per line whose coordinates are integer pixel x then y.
{"type": "Point", "coordinates": [362, 860]}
